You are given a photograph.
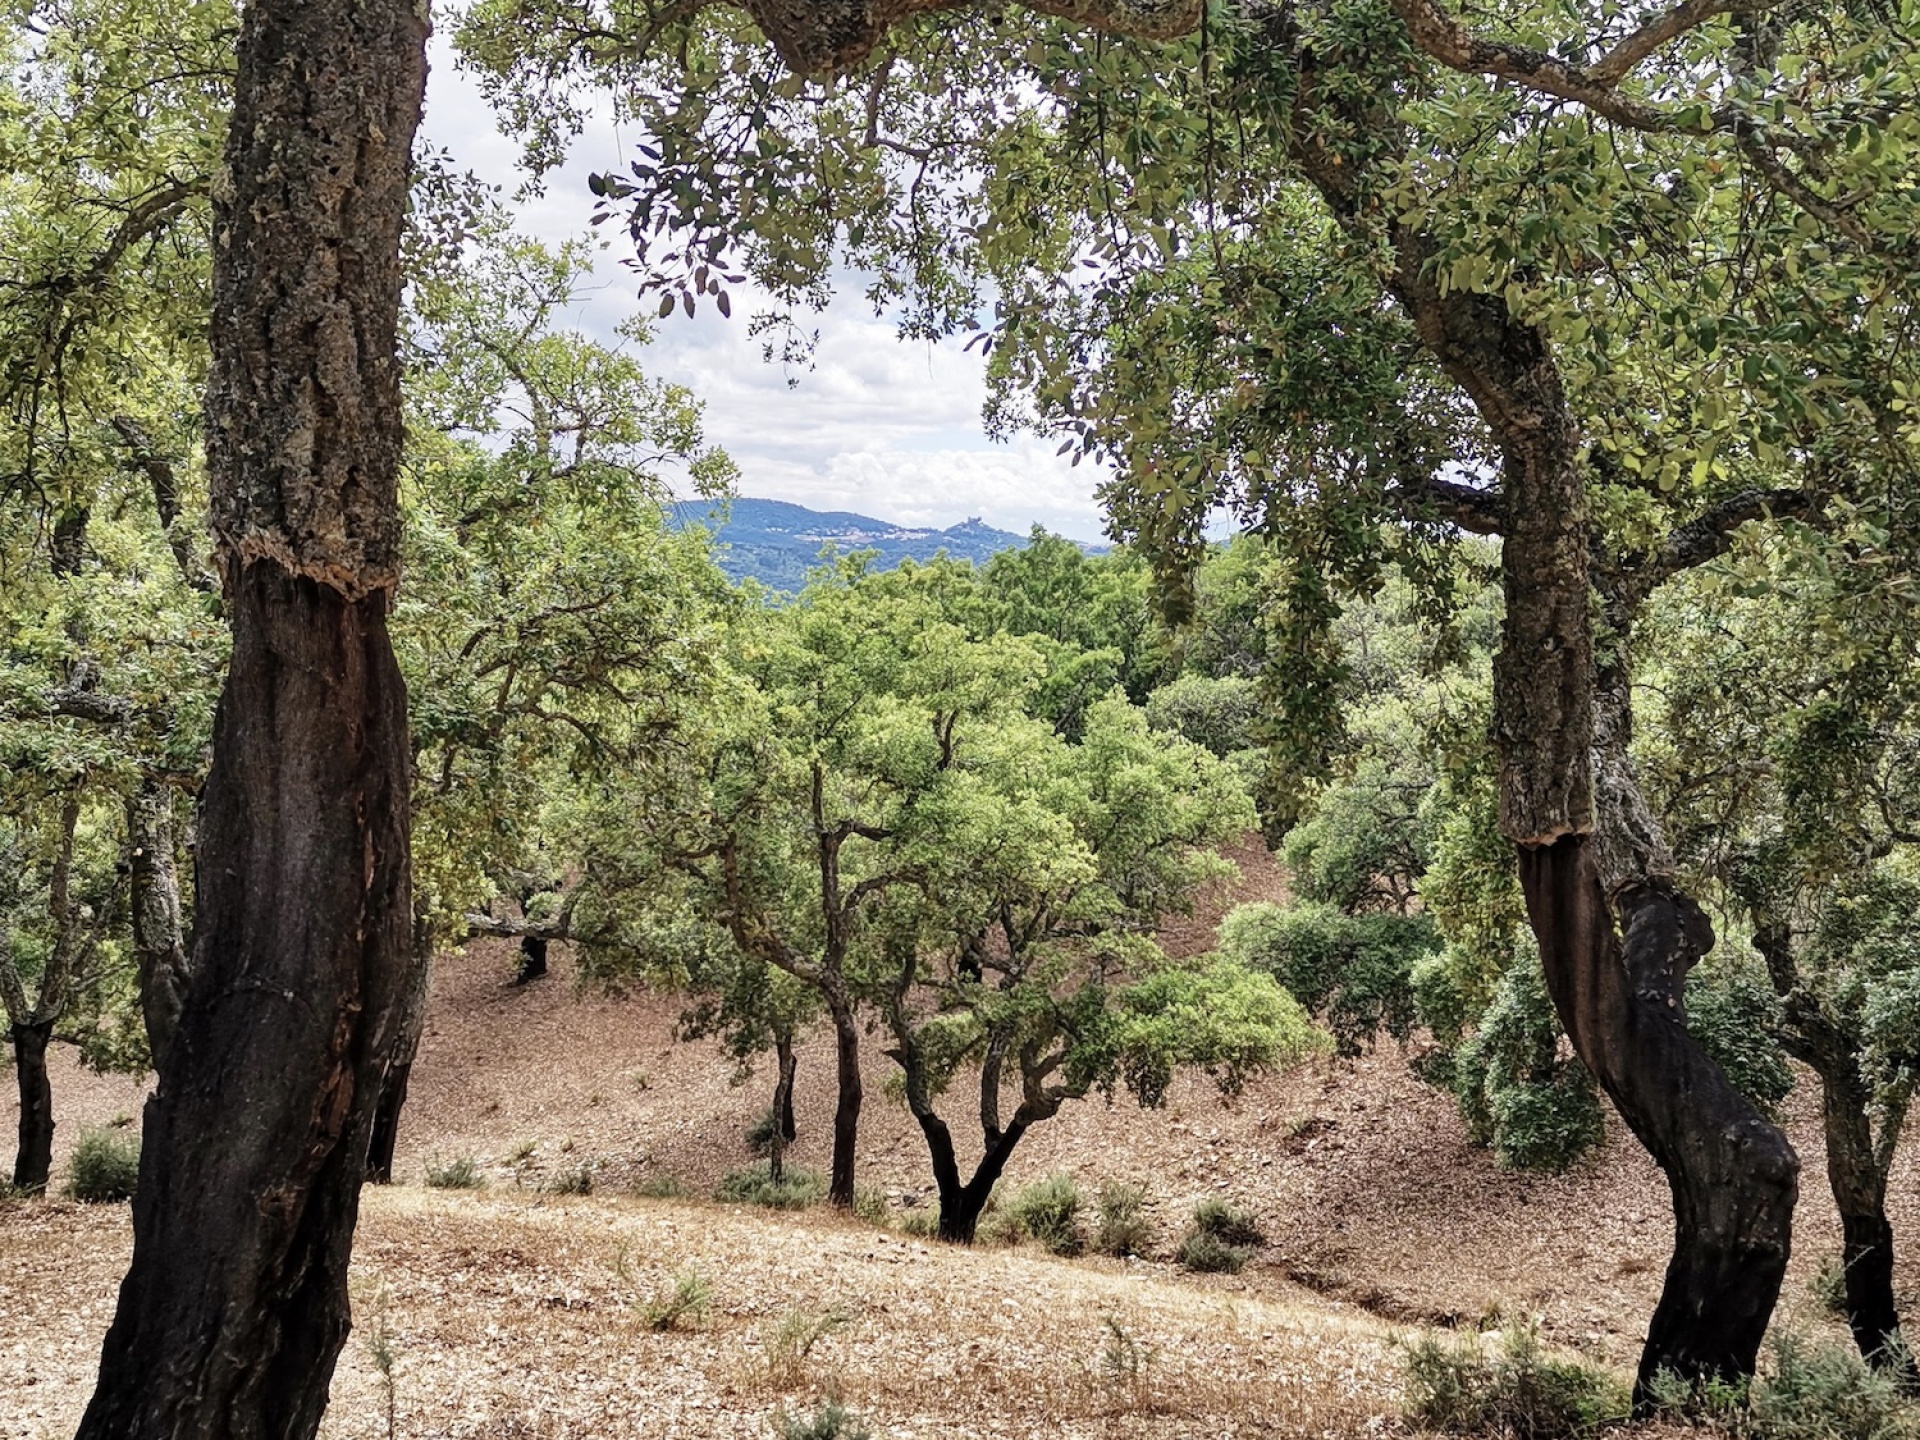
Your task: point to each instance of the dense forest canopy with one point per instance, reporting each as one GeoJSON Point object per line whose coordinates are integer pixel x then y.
{"type": "Point", "coordinates": [1553, 372]}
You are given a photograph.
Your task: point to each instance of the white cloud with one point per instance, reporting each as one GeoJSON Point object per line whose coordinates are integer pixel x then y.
{"type": "Point", "coordinates": [880, 426]}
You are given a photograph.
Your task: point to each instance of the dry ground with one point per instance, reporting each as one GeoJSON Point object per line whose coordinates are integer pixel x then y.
{"type": "Point", "coordinates": [509, 1318]}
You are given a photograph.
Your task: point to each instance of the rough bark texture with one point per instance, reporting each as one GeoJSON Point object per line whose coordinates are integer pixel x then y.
{"type": "Point", "coordinates": [159, 946]}
{"type": "Point", "coordinates": [1859, 1183]}
{"type": "Point", "coordinates": [1733, 1176]}
{"type": "Point", "coordinates": [33, 1161]}
{"type": "Point", "coordinates": [846, 1111]}
{"type": "Point", "coordinates": [1615, 938]}
{"type": "Point", "coordinates": [235, 1307]}
{"type": "Point", "coordinates": [386, 1124]}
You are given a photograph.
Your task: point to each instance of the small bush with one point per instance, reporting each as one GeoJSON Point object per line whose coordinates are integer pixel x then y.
{"type": "Point", "coordinates": [870, 1205]}
{"type": "Point", "coordinates": [105, 1167]}
{"type": "Point", "coordinates": [1208, 1254]}
{"type": "Point", "coordinates": [793, 1339]}
{"type": "Point", "coordinates": [923, 1223]}
{"type": "Point", "coordinates": [761, 1132]}
{"type": "Point", "coordinates": [660, 1187]}
{"type": "Point", "coordinates": [832, 1421]}
{"type": "Point", "coordinates": [756, 1186]}
{"type": "Point", "coordinates": [1454, 1385]}
{"type": "Point", "coordinates": [1829, 1286]}
{"type": "Point", "coordinates": [1228, 1224]}
{"type": "Point", "coordinates": [575, 1180]}
{"type": "Point", "coordinates": [462, 1173]}
{"type": "Point", "coordinates": [1124, 1228]}
{"type": "Point", "coordinates": [1824, 1392]}
{"type": "Point", "coordinates": [1049, 1211]}
{"type": "Point", "coordinates": [686, 1297]}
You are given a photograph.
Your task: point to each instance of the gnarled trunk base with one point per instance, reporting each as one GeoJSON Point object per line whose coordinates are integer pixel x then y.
{"type": "Point", "coordinates": [1733, 1175]}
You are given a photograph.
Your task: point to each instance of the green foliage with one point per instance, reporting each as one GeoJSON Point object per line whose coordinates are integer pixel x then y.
{"type": "Point", "coordinates": [1536, 1107]}
{"type": "Point", "coordinates": [1123, 1229]}
{"type": "Point", "coordinates": [684, 1299]}
{"type": "Point", "coordinates": [105, 1166]}
{"type": "Point", "coordinates": [1048, 1213]}
{"type": "Point", "coordinates": [1207, 1254]}
{"type": "Point", "coordinates": [1355, 971]}
{"type": "Point", "coordinates": [463, 1172]}
{"type": "Point", "coordinates": [1810, 1391]}
{"type": "Point", "coordinates": [870, 1205]}
{"type": "Point", "coordinates": [1823, 1392]}
{"type": "Point", "coordinates": [832, 1421]}
{"type": "Point", "coordinates": [1223, 1238]}
{"type": "Point", "coordinates": [1214, 1015]}
{"type": "Point", "coordinates": [1226, 1222]}
{"type": "Point", "coordinates": [1458, 1386]}
{"type": "Point", "coordinates": [1220, 714]}
{"type": "Point", "coordinates": [797, 1189]}
{"type": "Point", "coordinates": [570, 1180]}
{"type": "Point", "coordinates": [1736, 1017]}
{"type": "Point", "coordinates": [661, 1187]}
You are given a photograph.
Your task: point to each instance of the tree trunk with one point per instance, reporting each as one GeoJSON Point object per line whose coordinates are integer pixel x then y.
{"type": "Point", "coordinates": [1733, 1176]}
{"type": "Point", "coordinates": [1591, 855]}
{"type": "Point", "coordinates": [962, 1204]}
{"type": "Point", "coordinates": [789, 1072]}
{"type": "Point", "coordinates": [1859, 1186]}
{"type": "Point", "coordinates": [33, 1161]}
{"type": "Point", "coordinates": [159, 946]}
{"type": "Point", "coordinates": [235, 1308]}
{"type": "Point", "coordinates": [781, 1115]}
{"type": "Point", "coordinates": [386, 1124]}
{"type": "Point", "coordinates": [533, 959]}
{"type": "Point", "coordinates": [393, 1089]}
{"type": "Point", "coordinates": [846, 1113]}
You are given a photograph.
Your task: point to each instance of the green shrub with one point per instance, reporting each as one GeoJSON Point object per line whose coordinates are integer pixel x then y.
{"type": "Point", "coordinates": [1456, 1386]}
{"type": "Point", "coordinates": [1537, 1110]}
{"type": "Point", "coordinates": [870, 1205]}
{"type": "Point", "coordinates": [761, 1132]}
{"type": "Point", "coordinates": [1829, 1286]}
{"type": "Point", "coordinates": [755, 1185]}
{"type": "Point", "coordinates": [105, 1166]}
{"type": "Point", "coordinates": [686, 1297]}
{"type": "Point", "coordinates": [1227, 1223]}
{"type": "Point", "coordinates": [462, 1173]}
{"type": "Point", "coordinates": [1219, 714]}
{"type": "Point", "coordinates": [1734, 1014]}
{"type": "Point", "coordinates": [1825, 1392]}
{"type": "Point", "coordinates": [1208, 1254]}
{"type": "Point", "coordinates": [832, 1421]}
{"type": "Point", "coordinates": [660, 1187]}
{"type": "Point", "coordinates": [923, 1223]}
{"type": "Point", "coordinates": [1048, 1211]}
{"type": "Point", "coordinates": [1353, 971]}
{"type": "Point", "coordinates": [1124, 1228]}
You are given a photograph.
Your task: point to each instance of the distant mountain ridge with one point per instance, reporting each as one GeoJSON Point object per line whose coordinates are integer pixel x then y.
{"type": "Point", "coordinates": [776, 542]}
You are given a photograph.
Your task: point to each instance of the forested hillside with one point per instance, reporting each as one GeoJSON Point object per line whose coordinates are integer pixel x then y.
{"type": "Point", "coordinates": [777, 543]}
{"type": "Point", "coordinates": [1479, 789]}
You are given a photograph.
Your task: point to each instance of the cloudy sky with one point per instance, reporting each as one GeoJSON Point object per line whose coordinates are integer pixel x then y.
{"type": "Point", "coordinates": [884, 427]}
